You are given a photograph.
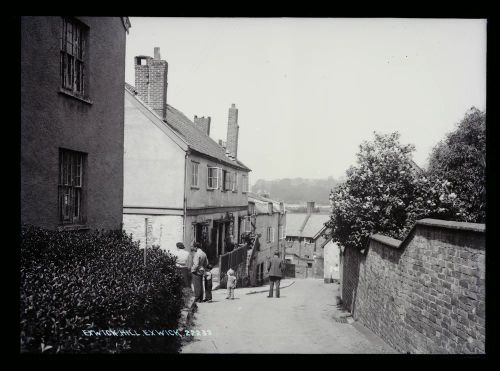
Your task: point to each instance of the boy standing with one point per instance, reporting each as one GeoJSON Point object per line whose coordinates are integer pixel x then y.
{"type": "Point", "coordinates": [231, 284]}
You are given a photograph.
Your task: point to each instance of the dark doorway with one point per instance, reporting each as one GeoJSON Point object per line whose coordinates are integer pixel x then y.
{"type": "Point", "coordinates": [199, 232]}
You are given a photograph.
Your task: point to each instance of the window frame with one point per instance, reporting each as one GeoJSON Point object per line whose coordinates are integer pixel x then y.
{"type": "Point", "coordinates": [195, 175]}
{"type": "Point", "coordinates": [226, 180]}
{"type": "Point", "coordinates": [217, 171]}
{"type": "Point", "coordinates": [72, 187]}
{"type": "Point", "coordinates": [73, 57]}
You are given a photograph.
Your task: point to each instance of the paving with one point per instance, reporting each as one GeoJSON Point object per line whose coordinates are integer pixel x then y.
{"type": "Point", "coordinates": [305, 319]}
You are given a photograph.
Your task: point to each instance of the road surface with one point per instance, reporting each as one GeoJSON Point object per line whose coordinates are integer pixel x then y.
{"type": "Point", "coordinates": [303, 320]}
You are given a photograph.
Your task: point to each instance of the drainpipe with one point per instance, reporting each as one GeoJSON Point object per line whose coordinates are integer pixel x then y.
{"type": "Point", "coordinates": [185, 197]}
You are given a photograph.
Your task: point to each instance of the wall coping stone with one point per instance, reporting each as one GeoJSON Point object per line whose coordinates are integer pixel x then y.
{"type": "Point", "coordinates": [392, 242]}
{"type": "Point", "coordinates": [447, 224]}
{"type": "Point", "coordinates": [475, 227]}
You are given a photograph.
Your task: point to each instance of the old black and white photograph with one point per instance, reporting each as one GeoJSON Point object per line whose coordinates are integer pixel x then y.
{"type": "Point", "coordinates": [238, 185]}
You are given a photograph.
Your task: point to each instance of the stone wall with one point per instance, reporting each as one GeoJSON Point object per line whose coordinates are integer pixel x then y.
{"type": "Point", "coordinates": [162, 230]}
{"type": "Point", "coordinates": [425, 294]}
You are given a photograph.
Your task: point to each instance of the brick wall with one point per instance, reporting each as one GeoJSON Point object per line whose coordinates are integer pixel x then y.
{"type": "Point", "coordinates": [425, 294]}
{"type": "Point", "coordinates": [203, 123]}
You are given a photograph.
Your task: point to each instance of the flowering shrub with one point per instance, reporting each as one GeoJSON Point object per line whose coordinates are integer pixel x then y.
{"type": "Point", "coordinates": [386, 193]}
{"type": "Point", "coordinates": [73, 281]}
{"type": "Point", "coordinates": [461, 159]}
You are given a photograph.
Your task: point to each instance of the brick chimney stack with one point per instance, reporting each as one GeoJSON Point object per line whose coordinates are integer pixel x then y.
{"type": "Point", "coordinates": [232, 131]}
{"type": "Point", "coordinates": [203, 123]}
{"type": "Point", "coordinates": [310, 207]}
{"type": "Point", "coordinates": [151, 82]}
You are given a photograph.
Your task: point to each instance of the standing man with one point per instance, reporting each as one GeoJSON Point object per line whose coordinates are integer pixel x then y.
{"type": "Point", "coordinates": [275, 267]}
{"type": "Point", "coordinates": [200, 262]}
{"type": "Point", "coordinates": [182, 263]}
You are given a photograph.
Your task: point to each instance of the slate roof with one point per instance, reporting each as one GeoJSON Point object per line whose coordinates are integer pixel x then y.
{"type": "Point", "coordinates": [197, 140]}
{"type": "Point", "coordinates": [262, 202]}
{"type": "Point", "coordinates": [294, 223]}
{"type": "Point", "coordinates": [305, 225]}
{"type": "Point", "coordinates": [315, 224]}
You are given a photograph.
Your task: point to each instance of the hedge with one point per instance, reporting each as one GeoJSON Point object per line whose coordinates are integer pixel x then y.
{"type": "Point", "coordinates": [95, 280]}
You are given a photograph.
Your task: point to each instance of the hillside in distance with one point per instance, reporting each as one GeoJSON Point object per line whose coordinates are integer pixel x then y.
{"type": "Point", "coordinates": [297, 190]}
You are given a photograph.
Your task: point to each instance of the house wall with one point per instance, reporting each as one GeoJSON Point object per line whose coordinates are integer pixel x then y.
{"type": "Point", "coordinates": [154, 163]}
{"type": "Point", "coordinates": [267, 249]}
{"type": "Point", "coordinates": [51, 120]}
{"type": "Point", "coordinates": [331, 255]}
{"type": "Point", "coordinates": [202, 197]}
{"type": "Point", "coordinates": [425, 296]}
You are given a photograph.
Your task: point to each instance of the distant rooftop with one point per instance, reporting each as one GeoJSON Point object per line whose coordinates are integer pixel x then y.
{"type": "Point", "coordinates": [305, 225]}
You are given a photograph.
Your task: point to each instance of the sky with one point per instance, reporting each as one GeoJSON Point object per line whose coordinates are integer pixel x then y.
{"type": "Point", "coordinates": [310, 90]}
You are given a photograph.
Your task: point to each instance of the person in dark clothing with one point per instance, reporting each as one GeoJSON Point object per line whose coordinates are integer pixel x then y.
{"type": "Point", "coordinates": [198, 271]}
{"type": "Point", "coordinates": [208, 284]}
{"type": "Point", "coordinates": [229, 244]}
{"type": "Point", "coordinates": [275, 267]}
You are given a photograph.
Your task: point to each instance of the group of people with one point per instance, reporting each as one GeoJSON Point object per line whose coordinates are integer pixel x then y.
{"type": "Point", "coordinates": [198, 273]}
{"type": "Point", "coordinates": [195, 271]}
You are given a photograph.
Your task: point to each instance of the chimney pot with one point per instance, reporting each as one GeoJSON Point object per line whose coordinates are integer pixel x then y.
{"type": "Point", "coordinates": [157, 53]}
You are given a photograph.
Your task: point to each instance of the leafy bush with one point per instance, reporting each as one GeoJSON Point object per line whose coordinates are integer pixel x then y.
{"type": "Point", "coordinates": [387, 193]}
{"type": "Point", "coordinates": [74, 281]}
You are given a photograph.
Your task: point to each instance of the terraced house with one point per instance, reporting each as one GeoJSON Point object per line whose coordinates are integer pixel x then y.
{"type": "Point", "coordinates": [180, 185]}
{"type": "Point", "coordinates": [267, 220]}
{"type": "Point", "coordinates": [306, 238]}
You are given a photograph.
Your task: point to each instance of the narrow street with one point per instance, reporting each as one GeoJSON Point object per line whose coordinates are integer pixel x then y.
{"type": "Point", "coordinates": [303, 320]}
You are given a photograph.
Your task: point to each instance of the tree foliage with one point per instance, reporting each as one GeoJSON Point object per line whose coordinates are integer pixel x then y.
{"type": "Point", "coordinates": [386, 193]}
{"type": "Point", "coordinates": [461, 159]}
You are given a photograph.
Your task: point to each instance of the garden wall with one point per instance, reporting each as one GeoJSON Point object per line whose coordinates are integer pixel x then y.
{"type": "Point", "coordinates": [425, 294]}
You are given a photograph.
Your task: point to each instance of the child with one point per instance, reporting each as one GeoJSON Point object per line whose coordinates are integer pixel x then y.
{"type": "Point", "coordinates": [208, 284]}
{"type": "Point", "coordinates": [231, 284]}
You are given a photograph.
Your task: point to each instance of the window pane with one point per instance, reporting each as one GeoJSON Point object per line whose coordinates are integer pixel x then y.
{"type": "Point", "coordinates": [78, 77]}
{"type": "Point", "coordinates": [76, 206]}
{"type": "Point", "coordinates": [66, 203]}
{"type": "Point", "coordinates": [70, 190]}
{"type": "Point", "coordinates": [72, 65]}
{"type": "Point", "coordinates": [78, 171]}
